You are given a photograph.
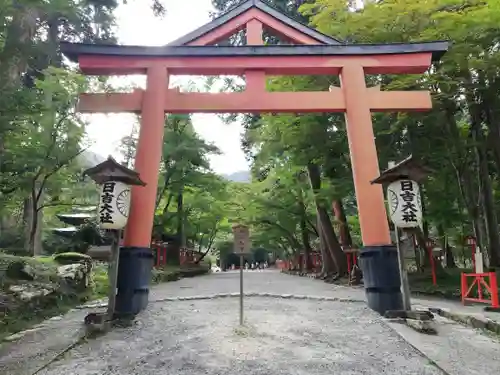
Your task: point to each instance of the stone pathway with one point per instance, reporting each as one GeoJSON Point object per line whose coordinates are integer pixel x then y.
{"type": "Point", "coordinates": [41, 344]}
{"type": "Point", "coordinates": [283, 337]}
{"type": "Point", "coordinates": [199, 334]}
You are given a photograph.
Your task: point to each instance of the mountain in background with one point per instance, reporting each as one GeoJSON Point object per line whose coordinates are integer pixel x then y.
{"type": "Point", "coordinates": [88, 159]}
{"type": "Point", "coordinates": [240, 176]}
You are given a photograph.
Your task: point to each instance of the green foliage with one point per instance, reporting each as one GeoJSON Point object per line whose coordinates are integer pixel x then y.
{"type": "Point", "coordinates": [70, 258]}
{"type": "Point", "coordinates": [459, 138]}
{"type": "Point", "coordinates": [41, 135]}
{"type": "Point", "coordinates": [190, 201]}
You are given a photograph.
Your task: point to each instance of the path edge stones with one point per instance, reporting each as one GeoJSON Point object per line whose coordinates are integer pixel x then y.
{"type": "Point", "coordinates": [477, 322]}
{"type": "Point", "coordinates": [237, 295]}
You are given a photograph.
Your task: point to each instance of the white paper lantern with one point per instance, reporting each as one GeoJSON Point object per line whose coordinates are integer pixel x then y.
{"type": "Point", "coordinates": [114, 205]}
{"type": "Point", "coordinates": [405, 206]}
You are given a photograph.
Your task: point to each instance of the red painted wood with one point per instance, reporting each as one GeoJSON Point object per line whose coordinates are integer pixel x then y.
{"type": "Point", "coordinates": [272, 65]}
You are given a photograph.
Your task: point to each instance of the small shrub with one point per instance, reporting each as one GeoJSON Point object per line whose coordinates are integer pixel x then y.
{"type": "Point", "coordinates": [12, 240]}
{"type": "Point", "coordinates": [70, 258]}
{"type": "Point", "coordinates": [100, 281]}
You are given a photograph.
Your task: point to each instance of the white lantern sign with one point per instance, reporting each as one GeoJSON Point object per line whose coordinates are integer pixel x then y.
{"type": "Point", "coordinates": [405, 206]}
{"type": "Point", "coordinates": [114, 205]}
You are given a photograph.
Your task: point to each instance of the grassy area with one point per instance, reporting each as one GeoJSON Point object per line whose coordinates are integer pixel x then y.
{"type": "Point", "coordinates": [21, 315]}
{"type": "Point", "coordinates": [158, 275]}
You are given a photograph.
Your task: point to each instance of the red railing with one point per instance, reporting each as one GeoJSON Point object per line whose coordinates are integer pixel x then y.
{"type": "Point", "coordinates": [486, 293]}
{"type": "Point", "coordinates": [316, 260]}
{"type": "Point", "coordinates": [187, 256]}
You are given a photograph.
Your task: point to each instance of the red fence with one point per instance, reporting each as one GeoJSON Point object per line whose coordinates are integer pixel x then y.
{"type": "Point", "coordinates": [294, 263]}
{"type": "Point", "coordinates": [161, 250]}
{"type": "Point", "coordinates": [486, 292]}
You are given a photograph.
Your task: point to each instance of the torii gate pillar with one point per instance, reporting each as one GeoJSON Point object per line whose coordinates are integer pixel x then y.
{"type": "Point", "coordinates": [364, 158]}
{"type": "Point", "coordinates": [148, 158]}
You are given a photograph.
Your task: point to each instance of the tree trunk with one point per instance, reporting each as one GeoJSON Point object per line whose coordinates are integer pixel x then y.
{"type": "Point", "coordinates": [344, 232]}
{"type": "Point", "coordinates": [28, 223]}
{"type": "Point", "coordinates": [307, 245]}
{"type": "Point", "coordinates": [202, 257]}
{"type": "Point", "coordinates": [486, 188]}
{"type": "Point", "coordinates": [421, 241]}
{"type": "Point", "coordinates": [331, 240]}
{"type": "Point", "coordinates": [490, 213]}
{"type": "Point", "coordinates": [209, 244]}
{"type": "Point", "coordinates": [328, 265]}
{"type": "Point", "coordinates": [34, 222]}
{"type": "Point", "coordinates": [448, 253]}
{"type": "Point", "coordinates": [465, 179]}
{"type": "Point", "coordinates": [180, 220]}
{"type": "Point", "coordinates": [417, 252]}
{"type": "Point", "coordinates": [20, 34]}
{"type": "Point", "coordinates": [304, 231]}
{"type": "Point", "coordinates": [180, 237]}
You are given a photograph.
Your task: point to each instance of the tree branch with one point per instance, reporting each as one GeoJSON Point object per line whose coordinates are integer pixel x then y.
{"type": "Point", "coordinates": [56, 169]}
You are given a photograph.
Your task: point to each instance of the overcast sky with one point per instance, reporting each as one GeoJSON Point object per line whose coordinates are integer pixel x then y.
{"type": "Point", "coordinates": [138, 26]}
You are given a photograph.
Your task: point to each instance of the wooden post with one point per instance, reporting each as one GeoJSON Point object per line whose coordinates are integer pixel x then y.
{"type": "Point", "coordinates": [403, 275]}
{"type": "Point", "coordinates": [113, 273]}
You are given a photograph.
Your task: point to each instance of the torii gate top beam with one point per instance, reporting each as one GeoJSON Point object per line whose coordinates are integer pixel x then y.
{"type": "Point", "coordinates": [407, 58]}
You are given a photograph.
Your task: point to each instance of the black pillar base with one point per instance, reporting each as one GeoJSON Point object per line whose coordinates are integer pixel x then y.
{"type": "Point", "coordinates": [381, 278]}
{"type": "Point", "coordinates": [134, 276]}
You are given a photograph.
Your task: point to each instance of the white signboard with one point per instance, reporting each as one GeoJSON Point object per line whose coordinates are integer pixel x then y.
{"type": "Point", "coordinates": [405, 207]}
{"type": "Point", "coordinates": [478, 257]}
{"type": "Point", "coordinates": [241, 239]}
{"type": "Point", "coordinates": [114, 205]}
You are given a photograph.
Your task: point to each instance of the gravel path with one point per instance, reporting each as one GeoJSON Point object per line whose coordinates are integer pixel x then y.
{"type": "Point", "coordinates": [281, 335]}
{"type": "Point", "coordinates": [270, 281]}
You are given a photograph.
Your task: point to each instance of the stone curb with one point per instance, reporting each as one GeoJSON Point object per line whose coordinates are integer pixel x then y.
{"type": "Point", "coordinates": [412, 343]}
{"type": "Point", "coordinates": [469, 320]}
{"type": "Point", "coordinates": [421, 321]}
{"type": "Point", "coordinates": [234, 295]}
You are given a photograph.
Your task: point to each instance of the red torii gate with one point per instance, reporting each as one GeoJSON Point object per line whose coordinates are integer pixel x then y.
{"type": "Point", "coordinates": [312, 53]}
